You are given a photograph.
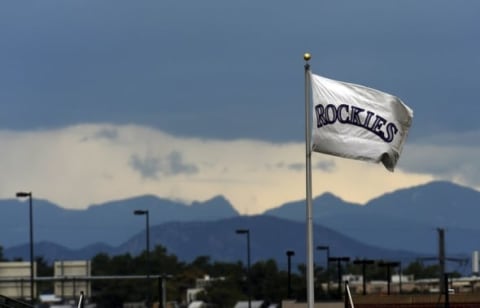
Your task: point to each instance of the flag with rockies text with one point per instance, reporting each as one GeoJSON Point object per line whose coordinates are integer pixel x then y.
{"type": "Point", "coordinates": [357, 122]}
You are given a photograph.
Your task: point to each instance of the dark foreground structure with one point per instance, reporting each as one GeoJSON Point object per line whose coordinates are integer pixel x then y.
{"type": "Point", "coordinates": [446, 299]}
{"type": "Point", "coordinates": [463, 300]}
{"type": "Point", "coordinates": [6, 302]}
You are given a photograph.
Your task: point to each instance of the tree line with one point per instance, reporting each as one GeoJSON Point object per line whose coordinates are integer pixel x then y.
{"type": "Point", "coordinates": [231, 282]}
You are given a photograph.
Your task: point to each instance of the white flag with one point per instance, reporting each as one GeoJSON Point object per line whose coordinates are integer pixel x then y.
{"type": "Point", "coordinates": [358, 122]}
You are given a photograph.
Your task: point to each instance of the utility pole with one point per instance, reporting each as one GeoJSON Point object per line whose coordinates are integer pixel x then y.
{"type": "Point", "coordinates": [364, 263]}
{"type": "Point", "coordinates": [388, 265]}
{"type": "Point", "coordinates": [290, 253]}
{"type": "Point", "coordinates": [339, 261]}
{"type": "Point", "coordinates": [441, 258]}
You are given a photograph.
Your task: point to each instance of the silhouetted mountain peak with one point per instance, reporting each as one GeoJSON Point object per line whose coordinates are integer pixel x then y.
{"type": "Point", "coordinates": [215, 208]}
{"type": "Point", "coordinates": [329, 199]}
{"type": "Point", "coordinates": [434, 196]}
{"type": "Point", "coordinates": [405, 219]}
{"type": "Point", "coordinates": [410, 216]}
{"type": "Point", "coordinates": [217, 202]}
{"type": "Point", "coordinates": [143, 201]}
{"type": "Point", "coordinates": [110, 222]}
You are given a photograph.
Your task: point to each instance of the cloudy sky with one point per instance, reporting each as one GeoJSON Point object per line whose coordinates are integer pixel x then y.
{"type": "Point", "coordinates": [104, 100]}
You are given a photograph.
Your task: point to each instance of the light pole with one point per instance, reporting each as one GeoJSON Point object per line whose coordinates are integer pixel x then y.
{"type": "Point", "coordinates": [290, 253]}
{"type": "Point", "coordinates": [327, 248]}
{"type": "Point", "coordinates": [22, 194]}
{"type": "Point", "coordinates": [247, 232]}
{"type": "Point", "coordinates": [147, 226]}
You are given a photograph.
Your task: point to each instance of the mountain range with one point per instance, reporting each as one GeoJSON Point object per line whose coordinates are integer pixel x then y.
{"type": "Point", "coordinates": [401, 224]}
{"type": "Point", "coordinates": [404, 219]}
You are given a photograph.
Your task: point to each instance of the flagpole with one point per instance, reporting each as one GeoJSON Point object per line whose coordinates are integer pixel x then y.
{"type": "Point", "coordinates": [308, 163]}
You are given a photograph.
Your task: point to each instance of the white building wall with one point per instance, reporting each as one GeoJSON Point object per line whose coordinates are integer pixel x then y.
{"type": "Point", "coordinates": [15, 279]}
{"type": "Point", "coordinates": [72, 278]}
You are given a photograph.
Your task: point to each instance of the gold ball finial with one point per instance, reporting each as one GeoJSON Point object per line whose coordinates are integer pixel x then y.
{"type": "Point", "coordinates": [306, 56]}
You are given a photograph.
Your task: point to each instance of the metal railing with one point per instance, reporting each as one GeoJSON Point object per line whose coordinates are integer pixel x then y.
{"type": "Point", "coordinates": [7, 302]}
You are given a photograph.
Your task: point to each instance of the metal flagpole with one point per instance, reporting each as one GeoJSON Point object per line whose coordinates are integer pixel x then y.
{"type": "Point", "coordinates": [308, 163]}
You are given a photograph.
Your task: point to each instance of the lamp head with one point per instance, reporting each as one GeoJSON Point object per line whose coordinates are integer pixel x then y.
{"type": "Point", "coordinates": [242, 231]}
{"type": "Point", "coordinates": [363, 261]}
{"type": "Point", "coordinates": [338, 259]}
{"type": "Point", "coordinates": [22, 194]}
{"type": "Point", "coordinates": [140, 212]}
{"type": "Point", "coordinates": [386, 263]}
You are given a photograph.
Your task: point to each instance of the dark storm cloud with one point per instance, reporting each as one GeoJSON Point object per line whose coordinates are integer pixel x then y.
{"type": "Point", "coordinates": [148, 166]}
{"type": "Point", "coordinates": [107, 133]}
{"type": "Point", "coordinates": [324, 165]}
{"type": "Point", "coordinates": [176, 165]}
{"type": "Point", "coordinates": [232, 69]}
{"type": "Point", "coordinates": [151, 167]}
{"type": "Point", "coordinates": [296, 166]}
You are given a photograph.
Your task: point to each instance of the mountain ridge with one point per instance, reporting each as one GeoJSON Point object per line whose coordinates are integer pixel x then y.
{"type": "Point", "coordinates": [109, 222]}
{"type": "Point", "coordinates": [403, 220]}
{"type": "Point", "coordinates": [424, 208]}
{"type": "Point", "coordinates": [270, 238]}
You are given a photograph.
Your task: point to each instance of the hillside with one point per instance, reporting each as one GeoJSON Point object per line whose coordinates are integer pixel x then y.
{"type": "Point", "coordinates": [270, 238]}
{"type": "Point", "coordinates": [111, 222]}
{"type": "Point", "coordinates": [404, 219]}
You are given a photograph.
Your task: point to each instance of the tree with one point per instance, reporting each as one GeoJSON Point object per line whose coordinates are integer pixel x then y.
{"type": "Point", "coordinates": [202, 263]}
{"type": "Point", "coordinates": [419, 271]}
{"type": "Point", "coordinates": [111, 293]}
{"type": "Point", "coordinates": [267, 283]}
{"type": "Point", "coordinates": [227, 286]}
{"type": "Point", "coordinates": [222, 293]}
{"type": "Point", "coordinates": [44, 270]}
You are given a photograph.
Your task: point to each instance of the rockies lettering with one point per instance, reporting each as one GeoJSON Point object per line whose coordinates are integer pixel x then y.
{"type": "Point", "coordinates": [360, 117]}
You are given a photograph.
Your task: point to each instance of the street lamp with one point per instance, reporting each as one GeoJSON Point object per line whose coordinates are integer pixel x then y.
{"type": "Point", "coordinates": [145, 212]}
{"type": "Point", "coordinates": [290, 253]}
{"type": "Point", "coordinates": [327, 248]}
{"type": "Point", "coordinates": [247, 232]}
{"type": "Point", "coordinates": [23, 194]}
